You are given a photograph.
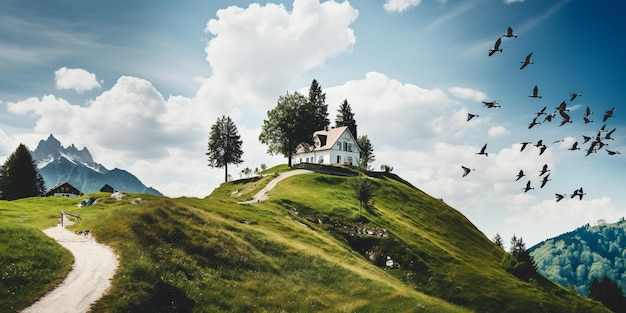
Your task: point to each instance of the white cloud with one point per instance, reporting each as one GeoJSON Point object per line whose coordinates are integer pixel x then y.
{"type": "Point", "coordinates": [77, 79]}
{"type": "Point", "coordinates": [468, 93]}
{"type": "Point", "coordinates": [497, 131]}
{"type": "Point", "coordinates": [257, 51]}
{"type": "Point", "coordinates": [558, 217]}
{"type": "Point", "coordinates": [400, 5]}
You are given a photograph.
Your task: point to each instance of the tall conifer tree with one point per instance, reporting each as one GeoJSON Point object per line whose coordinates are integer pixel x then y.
{"type": "Point", "coordinates": [346, 118]}
{"type": "Point", "coordinates": [19, 177]}
{"type": "Point", "coordinates": [318, 100]}
{"type": "Point", "coordinates": [224, 145]}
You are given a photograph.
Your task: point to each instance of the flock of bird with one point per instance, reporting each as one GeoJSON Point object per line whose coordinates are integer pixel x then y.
{"type": "Point", "coordinates": [595, 141]}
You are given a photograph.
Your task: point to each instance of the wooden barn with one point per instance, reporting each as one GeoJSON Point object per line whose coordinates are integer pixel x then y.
{"type": "Point", "coordinates": [63, 190]}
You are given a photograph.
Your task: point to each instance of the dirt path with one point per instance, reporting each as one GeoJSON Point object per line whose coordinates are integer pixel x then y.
{"type": "Point", "coordinates": [90, 277]}
{"type": "Point", "coordinates": [262, 195]}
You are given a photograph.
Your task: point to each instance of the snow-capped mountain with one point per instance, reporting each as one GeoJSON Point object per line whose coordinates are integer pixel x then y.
{"type": "Point", "coordinates": [58, 164]}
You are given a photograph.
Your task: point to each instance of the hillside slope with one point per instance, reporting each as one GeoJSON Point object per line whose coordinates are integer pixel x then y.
{"type": "Point", "coordinates": [577, 257]}
{"type": "Point", "coordinates": [307, 249]}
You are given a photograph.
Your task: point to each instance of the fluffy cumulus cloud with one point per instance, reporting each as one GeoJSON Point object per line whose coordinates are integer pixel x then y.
{"type": "Point", "coordinates": [256, 51]}
{"type": "Point", "coordinates": [400, 5]}
{"type": "Point", "coordinates": [76, 79]}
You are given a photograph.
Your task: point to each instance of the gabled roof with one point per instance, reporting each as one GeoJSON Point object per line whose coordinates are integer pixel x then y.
{"type": "Point", "coordinates": [327, 137]}
{"type": "Point", "coordinates": [62, 188]}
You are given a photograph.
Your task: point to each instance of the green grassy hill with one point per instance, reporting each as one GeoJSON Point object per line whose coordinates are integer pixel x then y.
{"type": "Point", "coordinates": [306, 249]}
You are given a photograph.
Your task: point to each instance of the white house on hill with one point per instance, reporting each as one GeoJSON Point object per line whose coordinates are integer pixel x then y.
{"type": "Point", "coordinates": [331, 146]}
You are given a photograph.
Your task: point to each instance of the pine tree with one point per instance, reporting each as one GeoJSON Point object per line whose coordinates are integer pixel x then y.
{"type": "Point", "coordinates": [497, 239]}
{"type": "Point", "coordinates": [224, 145]}
{"type": "Point", "coordinates": [318, 99]}
{"type": "Point", "coordinates": [19, 177]}
{"type": "Point", "coordinates": [346, 118]}
{"type": "Point", "coordinates": [608, 293]}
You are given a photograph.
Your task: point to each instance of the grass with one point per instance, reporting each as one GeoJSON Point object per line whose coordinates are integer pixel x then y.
{"type": "Point", "coordinates": [32, 264]}
{"type": "Point", "coordinates": [298, 252]}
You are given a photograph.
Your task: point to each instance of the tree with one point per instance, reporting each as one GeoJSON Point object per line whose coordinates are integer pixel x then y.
{"type": "Point", "coordinates": [386, 168]}
{"type": "Point", "coordinates": [608, 293]}
{"type": "Point", "coordinates": [224, 145]}
{"type": "Point", "coordinates": [367, 152]}
{"type": "Point", "coordinates": [526, 267]}
{"type": "Point", "coordinates": [318, 99]}
{"type": "Point", "coordinates": [362, 190]}
{"type": "Point", "coordinates": [498, 240]}
{"type": "Point", "coordinates": [19, 177]}
{"type": "Point", "coordinates": [346, 118]}
{"type": "Point", "coordinates": [288, 125]}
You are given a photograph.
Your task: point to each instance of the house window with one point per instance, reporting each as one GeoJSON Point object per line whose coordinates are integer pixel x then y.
{"type": "Point", "coordinates": [345, 146]}
{"type": "Point", "coordinates": [349, 160]}
{"type": "Point", "coordinates": [338, 159]}
{"type": "Point", "coordinates": [321, 160]}
{"type": "Point", "coordinates": [339, 146]}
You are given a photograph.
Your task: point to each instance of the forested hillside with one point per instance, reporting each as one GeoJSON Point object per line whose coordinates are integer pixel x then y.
{"type": "Point", "coordinates": [589, 252]}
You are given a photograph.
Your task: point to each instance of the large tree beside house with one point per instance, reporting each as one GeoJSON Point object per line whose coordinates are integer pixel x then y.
{"type": "Point", "coordinates": [345, 117]}
{"type": "Point", "coordinates": [288, 125]}
{"type": "Point", "coordinates": [19, 177]}
{"type": "Point", "coordinates": [224, 145]}
{"type": "Point", "coordinates": [318, 100]}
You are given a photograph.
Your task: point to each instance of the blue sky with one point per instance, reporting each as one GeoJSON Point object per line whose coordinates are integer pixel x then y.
{"type": "Point", "coordinates": [140, 84]}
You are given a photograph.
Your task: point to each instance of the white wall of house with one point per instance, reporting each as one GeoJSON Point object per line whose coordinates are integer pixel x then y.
{"type": "Point", "coordinates": [345, 151]}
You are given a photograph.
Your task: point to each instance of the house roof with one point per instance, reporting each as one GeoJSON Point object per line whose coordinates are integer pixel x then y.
{"type": "Point", "coordinates": [63, 187]}
{"type": "Point", "coordinates": [331, 135]}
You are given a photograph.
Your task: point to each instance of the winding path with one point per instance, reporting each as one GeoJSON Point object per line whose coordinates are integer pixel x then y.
{"type": "Point", "coordinates": [90, 277]}
{"type": "Point", "coordinates": [262, 194]}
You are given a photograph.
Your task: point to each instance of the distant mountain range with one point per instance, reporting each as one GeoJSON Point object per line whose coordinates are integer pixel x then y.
{"type": "Point", "coordinates": [577, 257]}
{"type": "Point", "coordinates": [58, 164]}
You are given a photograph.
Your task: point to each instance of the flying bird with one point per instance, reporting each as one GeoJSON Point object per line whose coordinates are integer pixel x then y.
{"type": "Point", "coordinates": [496, 47]}
{"type": "Point", "coordinates": [471, 116]}
{"type": "Point", "coordinates": [533, 123]}
{"type": "Point", "coordinates": [608, 114]}
{"type": "Point", "coordinates": [574, 95]}
{"type": "Point", "coordinates": [466, 170]}
{"type": "Point", "coordinates": [608, 135]}
{"type": "Point", "coordinates": [587, 120]}
{"type": "Point", "coordinates": [526, 61]}
{"type": "Point", "coordinates": [574, 147]}
{"type": "Point", "coordinates": [535, 93]}
{"type": "Point", "coordinates": [539, 143]}
{"type": "Point", "coordinates": [588, 112]}
{"type": "Point", "coordinates": [527, 188]}
{"type": "Point", "coordinates": [549, 117]}
{"type": "Point", "coordinates": [610, 152]}
{"type": "Point", "coordinates": [491, 104]}
{"type": "Point", "coordinates": [544, 170]}
{"type": "Point", "coordinates": [578, 192]}
{"type": "Point", "coordinates": [520, 175]}
{"type": "Point", "coordinates": [586, 139]}
{"type": "Point", "coordinates": [509, 33]}
{"type": "Point", "coordinates": [524, 144]}
{"type": "Point", "coordinates": [545, 180]}
{"type": "Point", "coordinates": [559, 197]}
{"type": "Point", "coordinates": [482, 151]}
{"type": "Point", "coordinates": [543, 111]}
{"type": "Point", "coordinates": [542, 149]}
{"type": "Point", "coordinates": [562, 107]}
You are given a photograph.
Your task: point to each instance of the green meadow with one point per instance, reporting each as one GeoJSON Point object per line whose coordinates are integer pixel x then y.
{"type": "Point", "coordinates": [306, 249]}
